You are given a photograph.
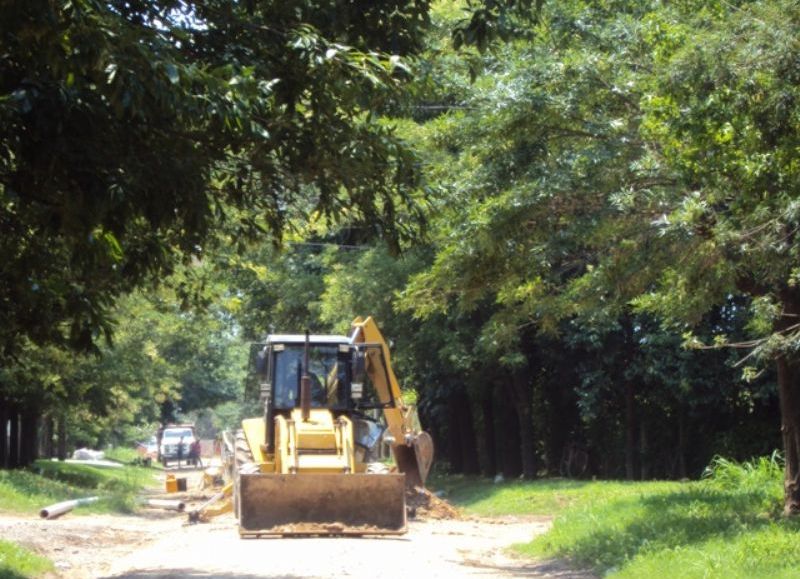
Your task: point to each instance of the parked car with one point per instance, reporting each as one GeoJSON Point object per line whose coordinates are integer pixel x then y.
{"type": "Point", "coordinates": [175, 444]}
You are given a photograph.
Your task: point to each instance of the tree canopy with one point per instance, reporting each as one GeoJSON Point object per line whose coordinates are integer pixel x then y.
{"type": "Point", "coordinates": [607, 283]}
{"type": "Point", "coordinates": [132, 129]}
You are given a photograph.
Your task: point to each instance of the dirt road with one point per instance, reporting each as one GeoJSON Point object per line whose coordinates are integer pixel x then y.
{"type": "Point", "coordinates": [158, 544]}
{"type": "Point", "coordinates": [157, 547]}
{"type": "Point", "coordinates": [431, 549]}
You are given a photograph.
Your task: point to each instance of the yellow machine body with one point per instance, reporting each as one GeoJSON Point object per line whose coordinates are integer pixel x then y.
{"type": "Point", "coordinates": [312, 484]}
{"type": "Point", "coordinates": [312, 481]}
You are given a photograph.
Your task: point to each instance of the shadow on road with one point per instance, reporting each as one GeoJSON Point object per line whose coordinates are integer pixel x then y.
{"type": "Point", "coordinates": [183, 572]}
{"type": "Point", "coordinates": [549, 568]}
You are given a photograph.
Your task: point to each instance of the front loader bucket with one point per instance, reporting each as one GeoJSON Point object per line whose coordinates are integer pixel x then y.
{"type": "Point", "coordinates": [321, 504]}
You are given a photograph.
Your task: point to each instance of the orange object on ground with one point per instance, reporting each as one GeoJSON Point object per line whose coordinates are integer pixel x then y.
{"type": "Point", "coordinates": [172, 484]}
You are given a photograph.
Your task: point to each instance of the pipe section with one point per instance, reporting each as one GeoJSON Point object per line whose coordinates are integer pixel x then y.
{"type": "Point", "coordinates": [59, 509]}
{"type": "Point", "coordinates": [168, 504]}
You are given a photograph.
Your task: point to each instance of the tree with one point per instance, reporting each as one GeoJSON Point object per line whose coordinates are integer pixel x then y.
{"type": "Point", "coordinates": [542, 155]}
{"type": "Point", "coordinates": [724, 114]}
{"type": "Point", "coordinates": [550, 209]}
{"type": "Point", "coordinates": [557, 187]}
{"type": "Point", "coordinates": [165, 363]}
{"type": "Point", "coordinates": [131, 129]}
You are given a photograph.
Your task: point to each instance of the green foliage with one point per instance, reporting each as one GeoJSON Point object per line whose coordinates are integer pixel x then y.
{"type": "Point", "coordinates": [552, 232]}
{"type": "Point", "coordinates": [607, 192]}
{"type": "Point", "coordinates": [564, 257]}
{"type": "Point", "coordinates": [133, 131]}
{"type": "Point", "coordinates": [750, 476]}
{"type": "Point", "coordinates": [17, 562]}
{"type": "Point", "coordinates": [27, 491]}
{"type": "Point", "coordinates": [226, 416]}
{"type": "Point", "coordinates": [122, 454]}
{"type": "Point", "coordinates": [278, 291]}
{"type": "Point", "coordinates": [126, 479]}
{"type": "Point", "coordinates": [164, 361]}
{"type": "Point", "coordinates": [491, 20]}
{"type": "Point", "coordinates": [24, 491]}
{"type": "Point", "coordinates": [726, 525]}
{"type": "Point", "coordinates": [720, 111]}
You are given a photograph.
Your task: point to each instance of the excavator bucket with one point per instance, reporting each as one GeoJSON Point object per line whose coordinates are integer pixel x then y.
{"type": "Point", "coordinates": [415, 460]}
{"type": "Point", "coordinates": [321, 504]}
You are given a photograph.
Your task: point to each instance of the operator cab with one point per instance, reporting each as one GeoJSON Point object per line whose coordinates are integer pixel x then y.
{"type": "Point", "coordinates": [342, 377]}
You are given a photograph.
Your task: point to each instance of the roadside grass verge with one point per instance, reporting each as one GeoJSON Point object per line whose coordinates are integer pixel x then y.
{"type": "Point", "coordinates": [122, 454]}
{"type": "Point", "coordinates": [547, 497]}
{"type": "Point", "coordinates": [728, 524]}
{"type": "Point", "coordinates": [129, 456]}
{"type": "Point", "coordinates": [17, 562]}
{"type": "Point", "coordinates": [48, 482]}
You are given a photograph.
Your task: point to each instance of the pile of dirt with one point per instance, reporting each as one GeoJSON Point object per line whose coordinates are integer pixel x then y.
{"type": "Point", "coordinates": [423, 504]}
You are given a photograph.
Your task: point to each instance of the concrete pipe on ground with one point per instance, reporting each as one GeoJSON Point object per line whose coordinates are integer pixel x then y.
{"type": "Point", "coordinates": [59, 509]}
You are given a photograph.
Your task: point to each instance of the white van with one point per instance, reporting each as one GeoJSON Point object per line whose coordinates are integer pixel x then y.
{"type": "Point", "coordinates": [173, 438]}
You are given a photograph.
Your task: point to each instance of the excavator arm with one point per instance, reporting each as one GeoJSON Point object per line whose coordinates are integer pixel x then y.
{"type": "Point", "coordinates": [412, 447]}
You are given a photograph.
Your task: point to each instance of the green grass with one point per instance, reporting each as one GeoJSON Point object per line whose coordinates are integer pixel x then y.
{"type": "Point", "coordinates": [48, 482]}
{"type": "Point", "coordinates": [18, 562]}
{"type": "Point", "coordinates": [484, 498]}
{"type": "Point", "coordinates": [727, 525]}
{"type": "Point", "coordinates": [122, 454]}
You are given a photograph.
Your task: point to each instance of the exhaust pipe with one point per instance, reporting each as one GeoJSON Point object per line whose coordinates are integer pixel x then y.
{"type": "Point", "coordinates": [305, 384]}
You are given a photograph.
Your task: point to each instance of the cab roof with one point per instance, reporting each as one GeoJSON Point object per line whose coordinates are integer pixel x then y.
{"type": "Point", "coordinates": [301, 339]}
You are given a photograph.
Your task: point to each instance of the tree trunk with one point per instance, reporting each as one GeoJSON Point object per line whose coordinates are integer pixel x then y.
{"type": "Point", "coordinates": [453, 435]}
{"type": "Point", "coordinates": [681, 443]}
{"type": "Point", "coordinates": [487, 409]}
{"type": "Point", "coordinates": [523, 404]}
{"type": "Point", "coordinates": [788, 367]}
{"type": "Point", "coordinates": [790, 429]}
{"type": "Point", "coordinates": [508, 444]}
{"type": "Point", "coordinates": [48, 449]}
{"type": "Point", "coordinates": [29, 436]}
{"type": "Point", "coordinates": [4, 435]}
{"type": "Point", "coordinates": [466, 432]}
{"type": "Point", "coordinates": [13, 438]}
{"type": "Point", "coordinates": [644, 447]}
{"type": "Point", "coordinates": [62, 437]}
{"type": "Point", "coordinates": [560, 414]}
{"type": "Point", "coordinates": [630, 431]}
{"type": "Point", "coordinates": [528, 439]}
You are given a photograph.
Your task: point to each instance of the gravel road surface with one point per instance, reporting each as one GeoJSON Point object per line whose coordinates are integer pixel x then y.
{"type": "Point", "coordinates": [157, 544]}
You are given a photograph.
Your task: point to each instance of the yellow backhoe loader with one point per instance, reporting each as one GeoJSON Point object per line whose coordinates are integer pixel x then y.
{"type": "Point", "coordinates": [309, 465]}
